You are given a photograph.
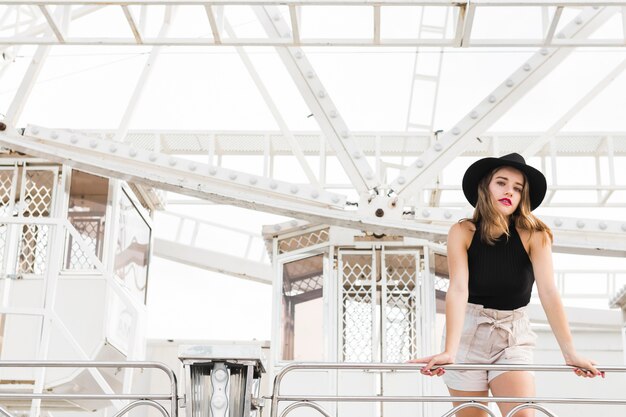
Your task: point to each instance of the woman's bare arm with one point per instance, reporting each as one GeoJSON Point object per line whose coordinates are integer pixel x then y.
{"type": "Point", "coordinates": [541, 258]}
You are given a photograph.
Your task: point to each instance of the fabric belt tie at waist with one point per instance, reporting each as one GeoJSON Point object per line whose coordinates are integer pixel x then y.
{"type": "Point", "coordinates": [505, 323]}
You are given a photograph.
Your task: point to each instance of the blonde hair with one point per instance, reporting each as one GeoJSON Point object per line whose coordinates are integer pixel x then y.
{"type": "Point", "coordinates": [494, 223]}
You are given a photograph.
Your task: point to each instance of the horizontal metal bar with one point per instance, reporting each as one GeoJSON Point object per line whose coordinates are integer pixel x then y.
{"type": "Point", "coordinates": [444, 398]}
{"type": "Point", "coordinates": [29, 396]}
{"type": "Point", "coordinates": [277, 397]}
{"type": "Point", "coordinates": [454, 367]}
{"type": "Point", "coordinates": [83, 364]}
{"type": "Point", "coordinates": [318, 42]}
{"type": "Point", "coordinates": [212, 224]}
{"type": "Point", "coordinates": [172, 396]}
{"type": "Point", "coordinates": [450, 3]}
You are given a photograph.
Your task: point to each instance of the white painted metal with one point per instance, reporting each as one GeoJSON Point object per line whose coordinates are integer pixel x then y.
{"type": "Point", "coordinates": [454, 141]}
{"type": "Point", "coordinates": [54, 255]}
{"type": "Point", "coordinates": [201, 142]}
{"type": "Point", "coordinates": [100, 148]}
{"type": "Point", "coordinates": [79, 151]}
{"type": "Point", "coordinates": [383, 144]}
{"type": "Point", "coordinates": [216, 23]}
{"type": "Point", "coordinates": [132, 23]}
{"type": "Point", "coordinates": [539, 143]}
{"type": "Point", "coordinates": [143, 78]}
{"type": "Point", "coordinates": [553, 25]}
{"type": "Point", "coordinates": [293, 144]}
{"type": "Point", "coordinates": [53, 25]}
{"type": "Point", "coordinates": [465, 22]}
{"type": "Point", "coordinates": [234, 266]}
{"type": "Point", "coordinates": [193, 249]}
{"type": "Point", "coordinates": [25, 88]}
{"type": "Point", "coordinates": [317, 98]}
{"type": "Point", "coordinates": [227, 187]}
{"type": "Point", "coordinates": [426, 96]}
{"type": "Point", "coordinates": [204, 227]}
{"type": "Point", "coordinates": [50, 319]}
{"type": "Point", "coordinates": [36, 30]}
{"type": "Point", "coordinates": [571, 234]}
{"type": "Point", "coordinates": [489, 3]}
{"type": "Point", "coordinates": [462, 37]}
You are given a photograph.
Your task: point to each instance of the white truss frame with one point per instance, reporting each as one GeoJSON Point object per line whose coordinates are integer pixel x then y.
{"type": "Point", "coordinates": [603, 147]}
{"type": "Point", "coordinates": [318, 100]}
{"type": "Point", "coordinates": [465, 11]}
{"type": "Point", "coordinates": [310, 201]}
{"type": "Point", "coordinates": [119, 160]}
{"type": "Point", "coordinates": [479, 119]}
{"type": "Point", "coordinates": [186, 249]}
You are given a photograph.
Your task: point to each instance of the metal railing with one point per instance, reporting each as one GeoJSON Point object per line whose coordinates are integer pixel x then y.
{"type": "Point", "coordinates": [311, 401]}
{"type": "Point", "coordinates": [142, 399]}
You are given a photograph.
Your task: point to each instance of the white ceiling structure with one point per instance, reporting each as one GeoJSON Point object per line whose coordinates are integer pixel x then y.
{"type": "Point", "coordinates": [284, 121]}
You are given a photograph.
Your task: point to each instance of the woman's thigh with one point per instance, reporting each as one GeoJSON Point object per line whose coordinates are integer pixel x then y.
{"type": "Point", "coordinates": [470, 411]}
{"type": "Point", "coordinates": [514, 384]}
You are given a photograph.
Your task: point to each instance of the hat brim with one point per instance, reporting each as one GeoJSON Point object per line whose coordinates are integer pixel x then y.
{"type": "Point", "coordinates": [536, 180]}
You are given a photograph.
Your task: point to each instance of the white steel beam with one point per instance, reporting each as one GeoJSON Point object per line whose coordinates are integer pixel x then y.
{"type": "Point", "coordinates": [27, 84]}
{"type": "Point", "coordinates": [169, 169]}
{"type": "Point", "coordinates": [624, 23]}
{"type": "Point", "coordinates": [571, 235]}
{"type": "Point", "coordinates": [465, 11]}
{"type": "Point", "coordinates": [315, 95]}
{"type": "Point", "coordinates": [293, 144]}
{"type": "Point", "coordinates": [376, 25]}
{"type": "Point", "coordinates": [553, 25]}
{"type": "Point", "coordinates": [213, 22]}
{"type": "Point", "coordinates": [450, 3]}
{"type": "Point", "coordinates": [536, 145]}
{"type": "Point", "coordinates": [53, 26]}
{"type": "Point", "coordinates": [213, 261]}
{"type": "Point", "coordinates": [35, 31]}
{"type": "Point", "coordinates": [132, 23]}
{"type": "Point", "coordinates": [454, 141]}
{"type": "Point", "coordinates": [423, 73]}
{"type": "Point", "coordinates": [464, 26]}
{"type": "Point", "coordinates": [117, 160]}
{"type": "Point", "coordinates": [29, 79]}
{"type": "Point", "coordinates": [201, 142]}
{"type": "Point", "coordinates": [143, 78]}
{"type": "Point", "coordinates": [294, 13]}
{"type": "Point", "coordinates": [318, 42]}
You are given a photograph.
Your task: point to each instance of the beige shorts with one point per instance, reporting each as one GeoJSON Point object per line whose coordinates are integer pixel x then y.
{"type": "Point", "coordinates": [491, 337]}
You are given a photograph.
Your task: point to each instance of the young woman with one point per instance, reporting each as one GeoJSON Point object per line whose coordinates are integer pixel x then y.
{"type": "Point", "coordinates": [493, 260]}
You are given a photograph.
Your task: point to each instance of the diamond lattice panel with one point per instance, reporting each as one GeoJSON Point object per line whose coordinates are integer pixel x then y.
{"type": "Point", "coordinates": [7, 194]}
{"type": "Point", "coordinates": [89, 230]}
{"type": "Point", "coordinates": [400, 319]}
{"type": "Point", "coordinates": [33, 249]}
{"type": "Point", "coordinates": [441, 284]}
{"type": "Point", "coordinates": [303, 241]}
{"type": "Point", "coordinates": [306, 285]}
{"type": "Point", "coordinates": [356, 278]}
{"type": "Point", "coordinates": [37, 192]}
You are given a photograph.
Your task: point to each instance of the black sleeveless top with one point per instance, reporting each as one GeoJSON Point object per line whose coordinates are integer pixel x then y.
{"type": "Point", "coordinates": [500, 276]}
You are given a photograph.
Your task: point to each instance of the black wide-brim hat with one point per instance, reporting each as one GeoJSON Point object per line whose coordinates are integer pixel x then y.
{"type": "Point", "coordinates": [537, 185]}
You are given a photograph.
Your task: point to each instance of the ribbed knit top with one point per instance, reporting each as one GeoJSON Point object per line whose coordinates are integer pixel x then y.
{"type": "Point", "coordinates": [500, 276]}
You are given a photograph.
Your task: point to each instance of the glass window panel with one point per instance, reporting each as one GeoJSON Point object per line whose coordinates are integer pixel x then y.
{"type": "Point", "coordinates": [303, 314]}
{"type": "Point", "coordinates": [133, 244]}
{"type": "Point", "coordinates": [87, 213]}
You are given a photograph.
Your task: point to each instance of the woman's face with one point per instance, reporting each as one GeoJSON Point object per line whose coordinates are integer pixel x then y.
{"type": "Point", "coordinates": [505, 189]}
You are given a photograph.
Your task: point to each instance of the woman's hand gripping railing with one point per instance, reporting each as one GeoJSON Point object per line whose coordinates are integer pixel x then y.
{"type": "Point", "coordinates": [475, 402]}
